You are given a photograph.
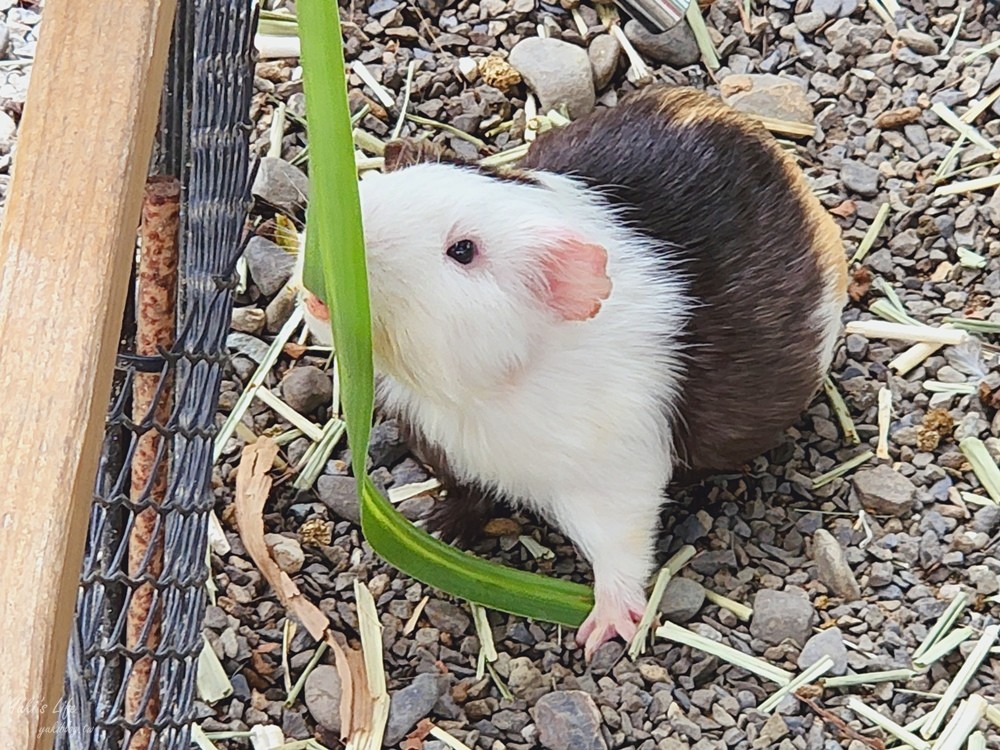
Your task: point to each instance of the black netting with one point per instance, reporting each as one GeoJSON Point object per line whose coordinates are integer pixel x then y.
{"type": "Point", "coordinates": [203, 140]}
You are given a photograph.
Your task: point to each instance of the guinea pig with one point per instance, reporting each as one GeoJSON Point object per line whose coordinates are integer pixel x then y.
{"type": "Point", "coordinates": [653, 291]}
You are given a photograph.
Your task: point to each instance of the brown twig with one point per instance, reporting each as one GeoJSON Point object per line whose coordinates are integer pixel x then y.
{"type": "Point", "coordinates": [831, 718]}
{"type": "Point", "coordinates": [155, 302]}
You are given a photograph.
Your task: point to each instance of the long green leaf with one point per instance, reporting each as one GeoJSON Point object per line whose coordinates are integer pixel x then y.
{"type": "Point", "coordinates": [335, 271]}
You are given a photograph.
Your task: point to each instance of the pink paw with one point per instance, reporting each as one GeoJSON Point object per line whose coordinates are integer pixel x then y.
{"type": "Point", "coordinates": [608, 618]}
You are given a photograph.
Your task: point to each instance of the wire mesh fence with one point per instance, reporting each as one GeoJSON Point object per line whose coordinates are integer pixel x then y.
{"type": "Point", "coordinates": [132, 664]}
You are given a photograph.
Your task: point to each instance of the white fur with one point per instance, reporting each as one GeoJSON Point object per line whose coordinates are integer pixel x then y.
{"type": "Point", "coordinates": [574, 417]}
{"type": "Point", "coordinates": [827, 319]}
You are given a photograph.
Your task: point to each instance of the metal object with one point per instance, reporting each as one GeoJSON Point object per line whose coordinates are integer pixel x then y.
{"type": "Point", "coordinates": [656, 15]}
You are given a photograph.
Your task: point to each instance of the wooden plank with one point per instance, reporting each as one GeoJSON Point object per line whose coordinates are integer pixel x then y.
{"type": "Point", "coordinates": [66, 246]}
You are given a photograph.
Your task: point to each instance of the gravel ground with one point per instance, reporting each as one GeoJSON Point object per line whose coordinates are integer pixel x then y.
{"type": "Point", "coordinates": [819, 580]}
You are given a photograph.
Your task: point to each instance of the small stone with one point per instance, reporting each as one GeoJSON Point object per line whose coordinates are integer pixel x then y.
{"type": "Point", "coordinates": [984, 579]}
{"type": "Point", "coordinates": [469, 68]}
{"type": "Point", "coordinates": [809, 22]}
{"type": "Point", "coordinates": [859, 178]}
{"type": "Point", "coordinates": [447, 617]}
{"type": "Point", "coordinates": [248, 320]}
{"type": "Point", "coordinates": [281, 184]}
{"type": "Point", "coordinates": [525, 680]}
{"type": "Point", "coordinates": [498, 73]}
{"type": "Point", "coordinates": [767, 95]}
{"type": "Point", "coordinates": [682, 600]}
{"type": "Point", "coordinates": [249, 346]}
{"type": "Point", "coordinates": [322, 696]}
{"type": "Point", "coordinates": [897, 118]}
{"type": "Point", "coordinates": [340, 494]}
{"type": "Point", "coordinates": [774, 729]}
{"type": "Point", "coordinates": [857, 345]}
{"type": "Point", "coordinates": [306, 388]}
{"type": "Point", "coordinates": [269, 265]}
{"type": "Point", "coordinates": [778, 615]}
{"type": "Point", "coordinates": [280, 309]}
{"type": "Point", "coordinates": [568, 720]}
{"type": "Point", "coordinates": [8, 128]}
{"type": "Point", "coordinates": [986, 519]}
{"type": "Point", "coordinates": [832, 567]}
{"type": "Point", "coordinates": [603, 52]}
{"type": "Point", "coordinates": [293, 725]}
{"type": "Point", "coordinates": [497, 527]}
{"type": "Point", "coordinates": [676, 46]}
{"type": "Point", "coordinates": [884, 491]}
{"type": "Point", "coordinates": [970, 541]}
{"type": "Point", "coordinates": [287, 552]}
{"type": "Point", "coordinates": [922, 44]}
{"type": "Point", "coordinates": [386, 446]}
{"type": "Point", "coordinates": [829, 642]}
{"type": "Point", "coordinates": [880, 574]}
{"type": "Point", "coordinates": [558, 72]}
{"type": "Point", "coordinates": [410, 705]}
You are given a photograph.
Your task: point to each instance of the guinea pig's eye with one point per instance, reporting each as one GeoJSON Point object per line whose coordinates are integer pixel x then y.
{"type": "Point", "coordinates": [463, 251]}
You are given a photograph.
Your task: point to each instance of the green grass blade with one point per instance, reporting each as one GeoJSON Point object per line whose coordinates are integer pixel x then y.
{"type": "Point", "coordinates": [335, 271]}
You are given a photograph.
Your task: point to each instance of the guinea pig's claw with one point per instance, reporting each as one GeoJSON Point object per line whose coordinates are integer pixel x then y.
{"type": "Point", "coordinates": [605, 621]}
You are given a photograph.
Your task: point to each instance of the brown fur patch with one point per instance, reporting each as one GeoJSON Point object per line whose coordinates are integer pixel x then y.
{"type": "Point", "coordinates": [408, 152]}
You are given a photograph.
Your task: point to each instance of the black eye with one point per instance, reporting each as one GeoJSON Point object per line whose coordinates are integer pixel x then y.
{"type": "Point", "coordinates": [463, 251]}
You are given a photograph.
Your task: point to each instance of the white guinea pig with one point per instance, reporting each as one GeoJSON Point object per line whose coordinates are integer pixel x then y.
{"type": "Point", "coordinates": [654, 291]}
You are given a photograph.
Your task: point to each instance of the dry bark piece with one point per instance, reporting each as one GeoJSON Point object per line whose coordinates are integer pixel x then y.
{"type": "Point", "coordinates": [155, 302]}
{"type": "Point", "coordinates": [252, 488]}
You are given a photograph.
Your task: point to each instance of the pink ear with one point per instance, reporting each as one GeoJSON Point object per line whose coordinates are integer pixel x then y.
{"type": "Point", "coordinates": [576, 277]}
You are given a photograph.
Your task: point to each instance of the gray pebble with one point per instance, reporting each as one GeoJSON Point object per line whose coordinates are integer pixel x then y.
{"type": "Point", "coordinates": [386, 446]}
{"type": "Point", "coordinates": [859, 178]}
{"type": "Point", "coordinates": [809, 22]}
{"type": "Point", "coordinates": [322, 696]}
{"type": "Point", "coordinates": [248, 320]}
{"type": "Point", "coordinates": [269, 265]}
{"type": "Point", "coordinates": [281, 184]}
{"type": "Point", "coordinates": [287, 552]}
{"type": "Point", "coordinates": [676, 46]}
{"type": "Point", "coordinates": [447, 617]}
{"type": "Point", "coordinates": [340, 494]}
{"type": "Point", "coordinates": [603, 52]}
{"type": "Point", "coordinates": [829, 642]}
{"type": "Point", "coordinates": [682, 600]}
{"type": "Point", "coordinates": [857, 345]}
{"type": "Point", "coordinates": [778, 615]}
{"type": "Point", "coordinates": [832, 567]}
{"type": "Point", "coordinates": [293, 725]}
{"type": "Point", "coordinates": [249, 346]}
{"type": "Point", "coordinates": [884, 491]}
{"type": "Point", "coordinates": [306, 388]}
{"type": "Point", "coordinates": [411, 704]}
{"type": "Point", "coordinates": [568, 720]}
{"type": "Point", "coordinates": [525, 680]}
{"type": "Point", "coordinates": [986, 519]}
{"type": "Point", "coordinates": [558, 72]}
{"type": "Point", "coordinates": [835, 8]}
{"type": "Point", "coordinates": [280, 309]}
{"type": "Point", "coordinates": [922, 44]}
{"type": "Point", "coordinates": [984, 579]}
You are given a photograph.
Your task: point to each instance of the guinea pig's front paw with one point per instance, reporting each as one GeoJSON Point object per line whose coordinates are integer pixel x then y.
{"type": "Point", "coordinates": [611, 616]}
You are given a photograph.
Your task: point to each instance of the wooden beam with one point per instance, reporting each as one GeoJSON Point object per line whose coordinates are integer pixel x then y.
{"type": "Point", "coordinates": [66, 248]}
